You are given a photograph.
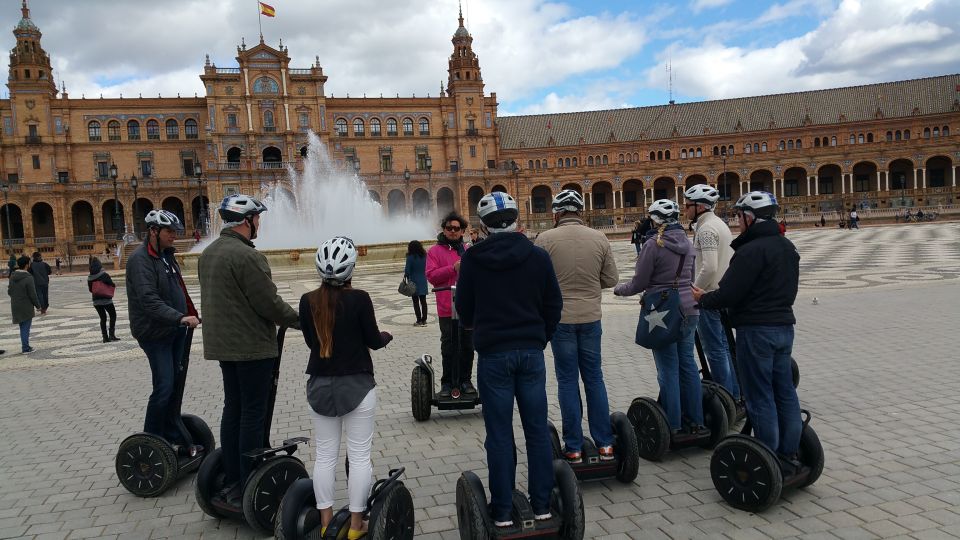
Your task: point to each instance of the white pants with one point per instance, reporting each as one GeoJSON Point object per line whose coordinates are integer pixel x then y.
{"type": "Point", "coordinates": [359, 428]}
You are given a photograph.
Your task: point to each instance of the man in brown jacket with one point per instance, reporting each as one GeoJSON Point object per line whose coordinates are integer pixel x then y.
{"type": "Point", "coordinates": [584, 264]}
{"type": "Point", "coordinates": [241, 311]}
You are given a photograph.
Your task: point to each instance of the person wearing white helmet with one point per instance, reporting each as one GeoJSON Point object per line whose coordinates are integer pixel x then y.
{"type": "Point", "coordinates": [241, 311]}
{"type": "Point", "coordinates": [340, 329]}
{"type": "Point", "coordinates": [711, 241]}
{"type": "Point", "coordinates": [160, 309]}
{"type": "Point", "coordinates": [508, 293]}
{"type": "Point", "coordinates": [667, 261]}
{"type": "Point", "coordinates": [583, 262]}
{"type": "Point", "coordinates": [758, 291]}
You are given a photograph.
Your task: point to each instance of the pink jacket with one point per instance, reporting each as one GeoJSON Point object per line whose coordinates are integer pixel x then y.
{"type": "Point", "coordinates": [440, 273]}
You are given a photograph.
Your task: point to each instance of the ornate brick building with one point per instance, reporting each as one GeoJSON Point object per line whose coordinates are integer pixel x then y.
{"type": "Point", "coordinates": [79, 173]}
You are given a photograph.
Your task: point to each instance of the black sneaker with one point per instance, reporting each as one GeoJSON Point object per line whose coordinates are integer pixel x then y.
{"type": "Point", "coordinates": [229, 499]}
{"type": "Point", "coordinates": [468, 388]}
{"type": "Point", "coordinates": [444, 390]}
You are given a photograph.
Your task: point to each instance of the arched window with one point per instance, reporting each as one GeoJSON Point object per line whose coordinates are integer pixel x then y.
{"type": "Point", "coordinates": [424, 126]}
{"type": "Point", "coordinates": [833, 140]}
{"type": "Point", "coordinates": [666, 154]}
{"type": "Point", "coordinates": [926, 133]}
{"type": "Point", "coordinates": [746, 148]}
{"type": "Point", "coordinates": [826, 142]}
{"type": "Point", "coordinates": [620, 159]}
{"type": "Point", "coordinates": [133, 130]}
{"type": "Point", "coordinates": [358, 127]}
{"type": "Point", "coordinates": [93, 131]}
{"type": "Point", "coordinates": [799, 143]}
{"type": "Point", "coordinates": [629, 158]}
{"type": "Point", "coordinates": [936, 132]}
{"type": "Point", "coordinates": [268, 123]}
{"type": "Point", "coordinates": [173, 129]}
{"type": "Point", "coordinates": [589, 160]}
{"type": "Point", "coordinates": [190, 128]}
{"type": "Point", "coordinates": [574, 162]}
{"type": "Point", "coordinates": [407, 126]}
{"type": "Point", "coordinates": [906, 134]}
{"type": "Point", "coordinates": [653, 156]}
{"type": "Point", "coordinates": [789, 145]}
{"type": "Point", "coordinates": [816, 142]}
{"type": "Point", "coordinates": [374, 127]}
{"type": "Point", "coordinates": [730, 149]}
{"type": "Point", "coordinates": [860, 138]}
{"type": "Point", "coordinates": [699, 152]}
{"type": "Point", "coordinates": [781, 146]}
{"type": "Point", "coordinates": [636, 156]}
{"type": "Point", "coordinates": [683, 153]}
{"type": "Point", "coordinates": [559, 163]}
{"type": "Point", "coordinates": [536, 164]}
{"type": "Point", "coordinates": [869, 137]}
{"type": "Point", "coordinates": [265, 85]}
{"type": "Point", "coordinates": [605, 160]}
{"type": "Point", "coordinates": [946, 131]}
{"type": "Point", "coordinates": [853, 139]}
{"type": "Point", "coordinates": [889, 136]}
{"type": "Point", "coordinates": [756, 147]}
{"type": "Point", "coordinates": [763, 147]}
{"type": "Point", "coordinates": [153, 129]}
{"type": "Point", "coordinates": [566, 162]}
{"type": "Point", "coordinates": [341, 127]}
{"type": "Point", "coordinates": [391, 127]}
{"type": "Point", "coordinates": [113, 130]}
{"type": "Point", "coordinates": [716, 150]}
{"type": "Point", "coordinates": [530, 164]}
{"type": "Point", "coordinates": [899, 135]}
{"type": "Point", "coordinates": [659, 155]}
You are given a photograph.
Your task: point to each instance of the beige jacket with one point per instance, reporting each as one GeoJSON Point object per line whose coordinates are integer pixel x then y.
{"type": "Point", "coordinates": [711, 240]}
{"type": "Point", "coordinates": [584, 264]}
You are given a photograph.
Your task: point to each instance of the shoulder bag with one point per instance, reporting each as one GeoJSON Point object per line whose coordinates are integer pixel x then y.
{"type": "Point", "coordinates": [660, 316]}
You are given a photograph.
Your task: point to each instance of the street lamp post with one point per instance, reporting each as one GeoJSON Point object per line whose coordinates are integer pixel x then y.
{"type": "Point", "coordinates": [116, 202]}
{"type": "Point", "coordinates": [202, 213]}
{"type": "Point", "coordinates": [726, 185]}
{"type": "Point", "coordinates": [134, 183]}
{"type": "Point", "coordinates": [6, 206]}
{"type": "Point", "coordinates": [428, 162]}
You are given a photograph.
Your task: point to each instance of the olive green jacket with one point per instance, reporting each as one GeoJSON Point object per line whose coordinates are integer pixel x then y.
{"type": "Point", "coordinates": [23, 296]}
{"type": "Point", "coordinates": [239, 303]}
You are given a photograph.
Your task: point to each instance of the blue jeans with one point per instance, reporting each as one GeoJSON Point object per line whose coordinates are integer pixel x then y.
{"type": "Point", "coordinates": [715, 346]}
{"type": "Point", "coordinates": [25, 334]}
{"type": "Point", "coordinates": [165, 356]}
{"type": "Point", "coordinates": [503, 377]}
{"type": "Point", "coordinates": [679, 378]}
{"type": "Point", "coordinates": [763, 358]}
{"type": "Point", "coordinates": [576, 354]}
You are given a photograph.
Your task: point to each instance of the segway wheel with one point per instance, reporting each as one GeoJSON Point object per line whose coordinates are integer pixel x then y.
{"type": "Point", "coordinates": [146, 465]}
{"type": "Point", "coordinates": [266, 488]}
{"type": "Point", "coordinates": [795, 371]}
{"type": "Point", "coordinates": [626, 448]}
{"type": "Point", "coordinates": [746, 473]}
{"type": "Point", "coordinates": [555, 441]}
{"type": "Point", "coordinates": [570, 501]}
{"type": "Point", "coordinates": [209, 481]}
{"type": "Point", "coordinates": [651, 427]}
{"type": "Point", "coordinates": [200, 432]}
{"type": "Point", "coordinates": [420, 393]}
{"type": "Point", "coordinates": [811, 454]}
{"type": "Point", "coordinates": [392, 517]}
{"type": "Point", "coordinates": [472, 516]}
{"type": "Point", "coordinates": [298, 515]}
{"type": "Point", "coordinates": [715, 418]}
{"type": "Point", "coordinates": [726, 398]}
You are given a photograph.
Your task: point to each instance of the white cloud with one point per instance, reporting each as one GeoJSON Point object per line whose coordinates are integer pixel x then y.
{"type": "Point", "coordinates": [699, 5]}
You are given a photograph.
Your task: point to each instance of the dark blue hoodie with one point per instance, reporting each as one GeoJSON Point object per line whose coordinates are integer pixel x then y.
{"type": "Point", "coordinates": [508, 293]}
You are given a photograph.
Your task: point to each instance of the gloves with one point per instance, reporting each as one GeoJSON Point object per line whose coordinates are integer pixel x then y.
{"type": "Point", "coordinates": [386, 337]}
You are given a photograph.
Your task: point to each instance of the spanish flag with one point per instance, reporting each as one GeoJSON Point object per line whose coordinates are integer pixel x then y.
{"type": "Point", "coordinates": [267, 10]}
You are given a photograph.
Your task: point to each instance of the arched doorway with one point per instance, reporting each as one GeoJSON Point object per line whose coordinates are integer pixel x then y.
{"type": "Point", "coordinates": [421, 202]}
{"type": "Point", "coordinates": [200, 212]}
{"type": "Point", "coordinates": [113, 219]}
{"type": "Point", "coordinates": [794, 182]}
{"type": "Point", "coordinates": [633, 196]}
{"type": "Point", "coordinates": [474, 194]}
{"type": "Point", "coordinates": [761, 180]}
{"type": "Point", "coordinates": [175, 205]}
{"type": "Point", "coordinates": [233, 157]}
{"type": "Point", "coordinates": [444, 201]}
{"type": "Point", "coordinates": [728, 184]}
{"type": "Point", "coordinates": [601, 195]}
{"type": "Point", "coordinates": [938, 169]}
{"type": "Point", "coordinates": [540, 199]}
{"type": "Point", "coordinates": [828, 180]}
{"type": "Point", "coordinates": [13, 214]}
{"type": "Point", "coordinates": [42, 219]}
{"type": "Point", "coordinates": [499, 187]}
{"type": "Point", "coordinates": [693, 180]}
{"type": "Point", "coordinates": [663, 188]}
{"type": "Point", "coordinates": [396, 203]}
{"type": "Point", "coordinates": [141, 208]}
{"type": "Point", "coordinates": [576, 187]}
{"type": "Point", "coordinates": [81, 214]}
{"type": "Point", "coordinates": [272, 157]}
{"type": "Point", "coordinates": [374, 196]}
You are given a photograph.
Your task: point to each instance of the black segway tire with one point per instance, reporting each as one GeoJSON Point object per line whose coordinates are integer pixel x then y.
{"type": "Point", "coordinates": [795, 371]}
{"type": "Point", "coordinates": [298, 515]}
{"type": "Point", "coordinates": [651, 427]}
{"type": "Point", "coordinates": [420, 394]}
{"type": "Point", "coordinates": [555, 441]}
{"type": "Point", "coordinates": [573, 519]}
{"type": "Point", "coordinates": [265, 490]}
{"type": "Point", "coordinates": [209, 481]}
{"type": "Point", "coordinates": [726, 398]}
{"type": "Point", "coordinates": [146, 465]}
{"type": "Point", "coordinates": [200, 432]}
{"type": "Point", "coordinates": [392, 515]}
{"type": "Point", "coordinates": [473, 519]}
{"type": "Point", "coordinates": [746, 473]}
{"type": "Point", "coordinates": [811, 454]}
{"type": "Point", "coordinates": [715, 418]}
{"type": "Point", "coordinates": [625, 446]}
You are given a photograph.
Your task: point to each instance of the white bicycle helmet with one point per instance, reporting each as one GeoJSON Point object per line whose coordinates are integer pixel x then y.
{"type": "Point", "coordinates": [163, 219]}
{"type": "Point", "coordinates": [498, 211]}
{"type": "Point", "coordinates": [761, 204]}
{"type": "Point", "coordinates": [235, 208]}
{"type": "Point", "coordinates": [703, 194]}
{"type": "Point", "coordinates": [336, 259]}
{"type": "Point", "coordinates": [663, 210]}
{"type": "Point", "coordinates": [568, 200]}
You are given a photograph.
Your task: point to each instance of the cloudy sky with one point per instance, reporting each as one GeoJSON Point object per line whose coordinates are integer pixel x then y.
{"type": "Point", "coordinates": [538, 56]}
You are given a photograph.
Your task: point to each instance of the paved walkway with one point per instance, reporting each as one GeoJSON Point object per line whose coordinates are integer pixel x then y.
{"type": "Point", "coordinates": [877, 354]}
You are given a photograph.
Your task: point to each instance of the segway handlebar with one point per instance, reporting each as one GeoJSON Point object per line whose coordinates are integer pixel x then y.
{"type": "Point", "coordinates": [447, 288]}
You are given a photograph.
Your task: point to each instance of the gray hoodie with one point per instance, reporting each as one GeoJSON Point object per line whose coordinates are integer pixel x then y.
{"type": "Point", "coordinates": [656, 268]}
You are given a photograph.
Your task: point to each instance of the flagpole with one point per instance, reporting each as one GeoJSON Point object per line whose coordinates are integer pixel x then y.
{"type": "Point", "coordinates": [260, 20]}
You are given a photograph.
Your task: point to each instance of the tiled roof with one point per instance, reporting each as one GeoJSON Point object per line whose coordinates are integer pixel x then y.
{"type": "Point", "coordinates": [836, 105]}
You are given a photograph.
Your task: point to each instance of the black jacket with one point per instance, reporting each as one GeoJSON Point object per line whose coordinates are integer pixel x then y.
{"type": "Point", "coordinates": [156, 297]}
{"type": "Point", "coordinates": [508, 293]}
{"type": "Point", "coordinates": [760, 285]}
{"type": "Point", "coordinates": [355, 333]}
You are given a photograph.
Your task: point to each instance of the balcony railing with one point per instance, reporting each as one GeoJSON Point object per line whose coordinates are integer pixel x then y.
{"type": "Point", "coordinates": [269, 129]}
{"type": "Point", "coordinates": [473, 132]}
{"type": "Point", "coordinates": [33, 139]}
{"type": "Point", "coordinates": [301, 71]}
{"type": "Point", "coordinates": [38, 240]}
{"type": "Point", "coordinates": [84, 238]}
{"type": "Point", "coordinates": [14, 241]}
{"type": "Point", "coordinates": [229, 71]}
{"type": "Point", "coordinates": [276, 164]}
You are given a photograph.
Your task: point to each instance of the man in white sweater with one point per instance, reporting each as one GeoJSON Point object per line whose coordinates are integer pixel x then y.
{"type": "Point", "coordinates": [711, 240]}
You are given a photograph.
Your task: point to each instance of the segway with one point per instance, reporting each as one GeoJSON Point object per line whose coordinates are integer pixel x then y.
{"type": "Point", "coordinates": [147, 464]}
{"type": "Point", "coordinates": [422, 390]}
{"type": "Point", "coordinates": [566, 507]}
{"type": "Point", "coordinates": [626, 463]}
{"type": "Point", "coordinates": [750, 476]}
{"type": "Point", "coordinates": [273, 471]}
{"type": "Point", "coordinates": [735, 408]}
{"type": "Point", "coordinates": [389, 512]}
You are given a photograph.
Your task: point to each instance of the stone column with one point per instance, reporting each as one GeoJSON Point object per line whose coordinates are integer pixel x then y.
{"type": "Point", "coordinates": [886, 180]}
{"type": "Point", "coordinates": [617, 194]}
{"type": "Point", "coordinates": [953, 176]}
{"type": "Point", "coordinates": [808, 186]}
{"type": "Point", "coordinates": [816, 184]}
{"type": "Point", "coordinates": [843, 183]}
{"type": "Point", "coordinates": [589, 197]}
{"type": "Point", "coordinates": [923, 178]}
{"type": "Point", "coordinates": [916, 174]}
{"type": "Point", "coordinates": [878, 181]}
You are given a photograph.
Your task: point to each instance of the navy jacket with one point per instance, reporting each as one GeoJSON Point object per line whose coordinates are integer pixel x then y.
{"type": "Point", "coordinates": [508, 293]}
{"type": "Point", "coordinates": [760, 285]}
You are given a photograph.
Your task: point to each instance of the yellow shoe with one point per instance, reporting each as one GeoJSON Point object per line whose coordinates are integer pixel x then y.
{"type": "Point", "coordinates": [355, 535]}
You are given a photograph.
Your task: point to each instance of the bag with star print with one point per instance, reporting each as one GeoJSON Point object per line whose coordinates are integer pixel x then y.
{"type": "Point", "coordinates": [660, 316]}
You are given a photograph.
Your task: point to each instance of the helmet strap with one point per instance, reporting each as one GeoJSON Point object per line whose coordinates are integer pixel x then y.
{"type": "Point", "coordinates": [253, 228]}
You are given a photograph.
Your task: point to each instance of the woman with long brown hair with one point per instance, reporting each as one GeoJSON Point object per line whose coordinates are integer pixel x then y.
{"type": "Point", "coordinates": [340, 328]}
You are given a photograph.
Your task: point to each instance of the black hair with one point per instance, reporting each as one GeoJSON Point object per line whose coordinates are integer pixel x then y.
{"type": "Point", "coordinates": [416, 248]}
{"type": "Point", "coordinates": [454, 216]}
{"type": "Point", "coordinates": [23, 261]}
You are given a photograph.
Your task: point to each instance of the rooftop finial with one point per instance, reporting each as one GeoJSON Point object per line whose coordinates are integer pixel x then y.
{"type": "Point", "coordinates": [25, 10]}
{"type": "Point", "coordinates": [460, 4]}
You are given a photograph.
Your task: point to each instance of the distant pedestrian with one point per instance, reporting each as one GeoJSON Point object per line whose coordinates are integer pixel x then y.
{"type": "Point", "coordinates": [854, 219]}
{"type": "Point", "coordinates": [23, 300]}
{"type": "Point", "coordinates": [196, 236]}
{"type": "Point", "coordinates": [783, 227]}
{"type": "Point", "coordinates": [57, 262]}
{"type": "Point", "coordinates": [102, 288]}
{"type": "Point", "coordinates": [475, 237]}
{"type": "Point", "coordinates": [416, 270]}
{"type": "Point", "coordinates": [12, 265]}
{"type": "Point", "coordinates": [41, 276]}
{"type": "Point", "coordinates": [823, 221]}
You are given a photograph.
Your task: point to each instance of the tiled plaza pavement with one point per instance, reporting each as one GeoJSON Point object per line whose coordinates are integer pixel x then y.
{"type": "Point", "coordinates": [879, 365]}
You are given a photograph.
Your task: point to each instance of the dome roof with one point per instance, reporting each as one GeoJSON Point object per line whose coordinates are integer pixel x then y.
{"type": "Point", "coordinates": [461, 32]}
{"type": "Point", "coordinates": [27, 25]}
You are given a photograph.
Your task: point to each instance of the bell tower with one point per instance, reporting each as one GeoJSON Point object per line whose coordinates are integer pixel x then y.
{"type": "Point", "coordinates": [464, 66]}
{"type": "Point", "coordinates": [30, 70]}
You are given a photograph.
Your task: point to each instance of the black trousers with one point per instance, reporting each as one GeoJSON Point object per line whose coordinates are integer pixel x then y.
{"type": "Point", "coordinates": [463, 357]}
{"type": "Point", "coordinates": [420, 307]}
{"type": "Point", "coordinates": [103, 311]}
{"type": "Point", "coordinates": [246, 390]}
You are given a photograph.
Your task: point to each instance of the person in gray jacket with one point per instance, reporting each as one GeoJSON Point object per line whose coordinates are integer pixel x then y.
{"type": "Point", "coordinates": [41, 271]}
{"type": "Point", "coordinates": [23, 299]}
{"type": "Point", "coordinates": [160, 309]}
